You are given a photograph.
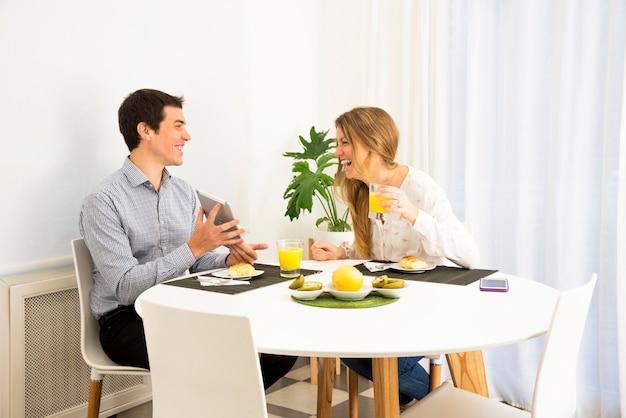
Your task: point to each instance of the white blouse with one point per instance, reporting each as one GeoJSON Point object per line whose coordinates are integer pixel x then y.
{"type": "Point", "coordinates": [436, 235]}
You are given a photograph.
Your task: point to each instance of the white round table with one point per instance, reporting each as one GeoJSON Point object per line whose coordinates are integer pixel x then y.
{"type": "Point", "coordinates": [429, 319]}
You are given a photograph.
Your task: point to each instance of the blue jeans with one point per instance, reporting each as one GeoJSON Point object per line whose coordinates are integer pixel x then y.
{"type": "Point", "coordinates": [413, 380]}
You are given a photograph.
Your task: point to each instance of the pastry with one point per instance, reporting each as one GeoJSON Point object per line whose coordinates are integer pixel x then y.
{"type": "Point", "coordinates": [241, 270]}
{"type": "Point", "coordinates": [410, 262]}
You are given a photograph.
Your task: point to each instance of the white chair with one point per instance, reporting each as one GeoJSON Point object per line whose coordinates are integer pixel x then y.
{"type": "Point", "coordinates": [202, 364]}
{"type": "Point", "coordinates": [555, 385]}
{"type": "Point", "coordinates": [90, 346]}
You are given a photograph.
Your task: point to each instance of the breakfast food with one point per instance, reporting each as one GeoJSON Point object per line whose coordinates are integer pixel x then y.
{"type": "Point", "coordinates": [380, 281]}
{"type": "Point", "coordinates": [384, 282]}
{"type": "Point", "coordinates": [297, 283]}
{"type": "Point", "coordinates": [241, 270]}
{"type": "Point", "coordinates": [394, 284]}
{"type": "Point", "coordinates": [309, 286]}
{"type": "Point", "coordinates": [348, 278]}
{"type": "Point", "coordinates": [410, 262]}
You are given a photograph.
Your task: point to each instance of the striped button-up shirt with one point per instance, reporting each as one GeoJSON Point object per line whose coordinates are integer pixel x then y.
{"type": "Point", "coordinates": [138, 236]}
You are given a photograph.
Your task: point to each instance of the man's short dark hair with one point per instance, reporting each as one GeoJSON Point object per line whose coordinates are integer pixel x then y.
{"type": "Point", "coordinates": [144, 105]}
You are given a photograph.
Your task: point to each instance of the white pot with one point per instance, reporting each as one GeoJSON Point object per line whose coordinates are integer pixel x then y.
{"type": "Point", "coordinates": [336, 238]}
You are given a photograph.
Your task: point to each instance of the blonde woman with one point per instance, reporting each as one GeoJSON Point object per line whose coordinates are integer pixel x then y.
{"type": "Point", "coordinates": [418, 221]}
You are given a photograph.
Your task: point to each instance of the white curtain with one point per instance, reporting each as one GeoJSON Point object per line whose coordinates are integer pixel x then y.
{"type": "Point", "coordinates": [516, 108]}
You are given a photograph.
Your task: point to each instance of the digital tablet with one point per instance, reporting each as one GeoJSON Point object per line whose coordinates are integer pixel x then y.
{"type": "Point", "coordinates": [208, 202]}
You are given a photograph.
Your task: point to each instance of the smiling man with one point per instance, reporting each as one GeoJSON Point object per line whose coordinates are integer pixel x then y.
{"type": "Point", "coordinates": [144, 226]}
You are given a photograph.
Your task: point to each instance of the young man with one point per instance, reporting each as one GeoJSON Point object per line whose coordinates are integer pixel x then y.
{"type": "Point", "coordinates": [144, 226]}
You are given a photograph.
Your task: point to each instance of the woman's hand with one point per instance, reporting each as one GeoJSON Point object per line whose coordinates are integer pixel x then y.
{"type": "Point", "coordinates": [325, 251]}
{"type": "Point", "coordinates": [398, 203]}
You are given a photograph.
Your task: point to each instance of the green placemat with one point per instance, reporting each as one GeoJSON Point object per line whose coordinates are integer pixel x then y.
{"type": "Point", "coordinates": [326, 300]}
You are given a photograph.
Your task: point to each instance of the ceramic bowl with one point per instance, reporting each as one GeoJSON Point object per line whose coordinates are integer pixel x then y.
{"type": "Point", "coordinates": [349, 295]}
{"type": "Point", "coordinates": [306, 294]}
{"type": "Point", "coordinates": [393, 293]}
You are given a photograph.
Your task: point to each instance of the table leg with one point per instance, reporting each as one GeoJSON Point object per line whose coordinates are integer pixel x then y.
{"type": "Point", "coordinates": [326, 379]}
{"type": "Point", "coordinates": [385, 378]}
{"type": "Point", "coordinates": [353, 393]}
{"type": "Point", "coordinates": [468, 371]}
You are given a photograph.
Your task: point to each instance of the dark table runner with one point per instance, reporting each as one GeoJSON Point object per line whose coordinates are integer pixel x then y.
{"type": "Point", "coordinates": [441, 274]}
{"type": "Point", "coordinates": [271, 275]}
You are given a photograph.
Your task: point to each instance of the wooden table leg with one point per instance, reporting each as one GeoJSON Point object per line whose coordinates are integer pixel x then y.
{"type": "Point", "coordinates": [353, 393]}
{"type": "Point", "coordinates": [326, 379]}
{"type": "Point", "coordinates": [385, 378]}
{"type": "Point", "coordinates": [468, 371]}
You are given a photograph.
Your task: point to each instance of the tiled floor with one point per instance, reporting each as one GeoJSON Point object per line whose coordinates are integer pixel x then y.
{"type": "Point", "coordinates": [295, 397]}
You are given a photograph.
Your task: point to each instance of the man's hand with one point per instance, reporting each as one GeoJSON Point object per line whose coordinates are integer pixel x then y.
{"type": "Point", "coordinates": [208, 236]}
{"type": "Point", "coordinates": [244, 253]}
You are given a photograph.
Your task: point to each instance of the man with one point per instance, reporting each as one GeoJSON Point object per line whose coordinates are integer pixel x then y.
{"type": "Point", "coordinates": [144, 226]}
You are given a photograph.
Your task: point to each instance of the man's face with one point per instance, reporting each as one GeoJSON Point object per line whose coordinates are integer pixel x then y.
{"type": "Point", "coordinates": [168, 143]}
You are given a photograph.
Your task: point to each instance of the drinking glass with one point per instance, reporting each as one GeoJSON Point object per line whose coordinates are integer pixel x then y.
{"type": "Point", "coordinates": [375, 201]}
{"type": "Point", "coordinates": [290, 256]}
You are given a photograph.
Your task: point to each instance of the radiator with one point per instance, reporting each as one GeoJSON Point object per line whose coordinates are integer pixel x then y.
{"type": "Point", "coordinates": [43, 372]}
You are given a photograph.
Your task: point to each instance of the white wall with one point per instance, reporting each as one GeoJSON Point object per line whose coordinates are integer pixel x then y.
{"type": "Point", "coordinates": [255, 75]}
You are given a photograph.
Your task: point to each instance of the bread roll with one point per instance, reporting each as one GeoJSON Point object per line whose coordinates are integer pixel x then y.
{"type": "Point", "coordinates": [410, 262]}
{"type": "Point", "coordinates": [241, 270]}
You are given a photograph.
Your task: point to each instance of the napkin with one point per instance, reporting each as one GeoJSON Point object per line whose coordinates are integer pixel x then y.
{"type": "Point", "coordinates": [216, 281]}
{"type": "Point", "coordinates": [375, 266]}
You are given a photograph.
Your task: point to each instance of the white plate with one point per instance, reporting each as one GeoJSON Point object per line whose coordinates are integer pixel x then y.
{"type": "Point", "coordinates": [349, 295]}
{"type": "Point", "coordinates": [224, 274]}
{"type": "Point", "coordinates": [392, 293]}
{"type": "Point", "coordinates": [398, 267]}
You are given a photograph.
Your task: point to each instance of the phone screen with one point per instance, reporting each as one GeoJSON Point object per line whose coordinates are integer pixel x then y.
{"type": "Point", "coordinates": [494, 285]}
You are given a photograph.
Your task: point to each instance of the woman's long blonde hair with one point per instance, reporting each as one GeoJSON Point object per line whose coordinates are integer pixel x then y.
{"type": "Point", "coordinates": [376, 130]}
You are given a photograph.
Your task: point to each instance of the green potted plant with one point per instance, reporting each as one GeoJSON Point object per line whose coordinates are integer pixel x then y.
{"type": "Point", "coordinates": [311, 181]}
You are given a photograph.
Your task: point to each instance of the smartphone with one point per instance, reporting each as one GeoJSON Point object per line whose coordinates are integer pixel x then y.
{"type": "Point", "coordinates": [209, 201]}
{"type": "Point", "coordinates": [494, 284]}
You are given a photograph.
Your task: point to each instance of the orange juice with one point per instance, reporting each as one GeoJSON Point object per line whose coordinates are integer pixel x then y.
{"type": "Point", "coordinates": [375, 203]}
{"type": "Point", "coordinates": [289, 258]}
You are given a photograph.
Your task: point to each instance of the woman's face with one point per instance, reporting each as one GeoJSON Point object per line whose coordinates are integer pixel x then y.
{"type": "Point", "coordinates": [347, 151]}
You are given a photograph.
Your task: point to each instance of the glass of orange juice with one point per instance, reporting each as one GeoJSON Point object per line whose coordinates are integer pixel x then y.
{"type": "Point", "coordinates": [375, 201]}
{"type": "Point", "coordinates": [290, 256]}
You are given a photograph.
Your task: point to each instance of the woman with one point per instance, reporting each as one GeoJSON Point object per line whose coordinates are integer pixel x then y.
{"type": "Point", "coordinates": [419, 219]}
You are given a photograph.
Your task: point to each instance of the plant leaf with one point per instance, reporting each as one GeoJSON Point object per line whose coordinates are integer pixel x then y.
{"type": "Point", "coordinates": [308, 182]}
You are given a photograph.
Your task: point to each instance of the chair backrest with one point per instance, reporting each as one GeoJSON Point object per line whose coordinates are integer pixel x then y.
{"type": "Point", "coordinates": [202, 364]}
{"type": "Point", "coordinates": [555, 387]}
{"type": "Point", "coordinates": [90, 346]}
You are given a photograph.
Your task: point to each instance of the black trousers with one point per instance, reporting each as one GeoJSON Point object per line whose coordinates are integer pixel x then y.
{"type": "Point", "coordinates": [123, 340]}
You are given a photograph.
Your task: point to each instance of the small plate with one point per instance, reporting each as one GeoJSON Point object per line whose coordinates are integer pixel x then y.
{"type": "Point", "coordinates": [349, 295]}
{"type": "Point", "coordinates": [306, 294]}
{"type": "Point", "coordinates": [392, 293]}
{"type": "Point", "coordinates": [398, 267]}
{"type": "Point", "coordinates": [224, 274]}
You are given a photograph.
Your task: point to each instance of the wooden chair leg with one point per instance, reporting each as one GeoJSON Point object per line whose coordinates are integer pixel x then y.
{"type": "Point", "coordinates": [311, 242]}
{"type": "Point", "coordinates": [313, 366]}
{"type": "Point", "coordinates": [95, 392]}
{"type": "Point", "coordinates": [337, 366]}
{"type": "Point", "coordinates": [353, 393]}
{"type": "Point", "coordinates": [435, 372]}
{"type": "Point", "coordinates": [468, 371]}
{"type": "Point", "coordinates": [325, 388]}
